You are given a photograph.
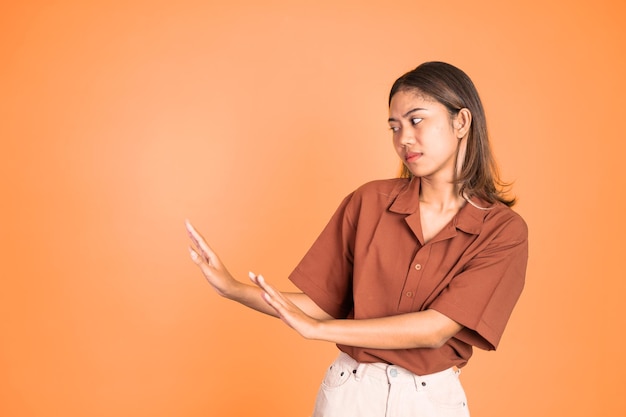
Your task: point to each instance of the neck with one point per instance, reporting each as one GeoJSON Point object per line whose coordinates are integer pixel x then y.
{"type": "Point", "coordinates": [441, 196]}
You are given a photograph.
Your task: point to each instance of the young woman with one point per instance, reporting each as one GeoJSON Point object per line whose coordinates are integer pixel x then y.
{"type": "Point", "coordinates": [410, 273]}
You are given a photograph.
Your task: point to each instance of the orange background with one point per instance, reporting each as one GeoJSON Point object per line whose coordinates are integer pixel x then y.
{"type": "Point", "coordinates": [119, 119]}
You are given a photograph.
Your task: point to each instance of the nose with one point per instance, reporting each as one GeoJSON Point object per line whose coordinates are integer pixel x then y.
{"type": "Point", "coordinates": [406, 137]}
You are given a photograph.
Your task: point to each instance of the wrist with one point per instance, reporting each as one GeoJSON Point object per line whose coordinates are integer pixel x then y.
{"type": "Point", "coordinates": [318, 330]}
{"type": "Point", "coordinates": [230, 289]}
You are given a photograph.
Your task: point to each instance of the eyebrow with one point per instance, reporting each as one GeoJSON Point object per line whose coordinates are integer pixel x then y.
{"type": "Point", "coordinates": [405, 115]}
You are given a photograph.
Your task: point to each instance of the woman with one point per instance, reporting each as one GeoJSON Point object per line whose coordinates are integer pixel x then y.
{"type": "Point", "coordinates": [410, 273]}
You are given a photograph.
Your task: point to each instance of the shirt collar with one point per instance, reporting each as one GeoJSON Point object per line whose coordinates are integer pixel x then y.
{"type": "Point", "coordinates": [469, 219]}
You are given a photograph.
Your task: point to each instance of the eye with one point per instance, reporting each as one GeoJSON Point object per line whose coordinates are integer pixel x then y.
{"type": "Point", "coordinates": [415, 120]}
{"type": "Point", "coordinates": [394, 129]}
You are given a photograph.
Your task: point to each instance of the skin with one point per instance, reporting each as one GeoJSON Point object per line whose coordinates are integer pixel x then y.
{"type": "Point", "coordinates": [430, 142]}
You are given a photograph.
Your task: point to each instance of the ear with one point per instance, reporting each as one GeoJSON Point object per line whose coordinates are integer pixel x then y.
{"type": "Point", "coordinates": [462, 123]}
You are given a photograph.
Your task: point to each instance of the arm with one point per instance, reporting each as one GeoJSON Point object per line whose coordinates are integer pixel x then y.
{"type": "Point", "coordinates": [226, 286]}
{"type": "Point", "coordinates": [423, 329]}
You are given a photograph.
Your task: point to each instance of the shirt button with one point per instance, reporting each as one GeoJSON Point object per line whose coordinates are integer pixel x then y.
{"type": "Point", "coordinates": [409, 294]}
{"type": "Point", "coordinates": [393, 372]}
{"type": "Point", "coordinates": [418, 266]}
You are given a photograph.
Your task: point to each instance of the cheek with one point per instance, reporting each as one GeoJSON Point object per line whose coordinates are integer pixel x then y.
{"type": "Point", "coordinates": [446, 139]}
{"type": "Point", "coordinates": [447, 148]}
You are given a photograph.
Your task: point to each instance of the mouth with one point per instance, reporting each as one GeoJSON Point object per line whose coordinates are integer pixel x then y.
{"type": "Point", "coordinates": [412, 156]}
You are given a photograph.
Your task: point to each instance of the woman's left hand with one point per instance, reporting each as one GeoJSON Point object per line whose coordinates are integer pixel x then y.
{"type": "Point", "coordinates": [420, 329]}
{"type": "Point", "coordinates": [288, 312]}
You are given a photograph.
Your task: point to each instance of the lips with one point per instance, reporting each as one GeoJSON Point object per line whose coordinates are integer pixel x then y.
{"type": "Point", "coordinates": [412, 156]}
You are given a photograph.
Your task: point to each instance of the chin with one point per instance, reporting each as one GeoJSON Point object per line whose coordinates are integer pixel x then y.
{"type": "Point", "coordinates": [417, 172]}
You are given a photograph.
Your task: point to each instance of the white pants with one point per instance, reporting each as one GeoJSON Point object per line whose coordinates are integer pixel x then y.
{"type": "Point", "coordinates": [353, 389]}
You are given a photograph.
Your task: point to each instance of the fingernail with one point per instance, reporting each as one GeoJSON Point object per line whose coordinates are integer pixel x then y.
{"type": "Point", "coordinates": [251, 275]}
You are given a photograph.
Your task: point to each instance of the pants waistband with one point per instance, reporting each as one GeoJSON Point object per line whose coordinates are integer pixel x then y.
{"type": "Point", "coordinates": [392, 373]}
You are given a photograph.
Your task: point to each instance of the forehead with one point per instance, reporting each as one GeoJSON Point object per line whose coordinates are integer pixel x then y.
{"type": "Point", "coordinates": [407, 100]}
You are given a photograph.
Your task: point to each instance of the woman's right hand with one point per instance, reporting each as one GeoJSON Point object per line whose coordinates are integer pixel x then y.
{"type": "Point", "coordinates": [249, 295]}
{"type": "Point", "coordinates": [212, 268]}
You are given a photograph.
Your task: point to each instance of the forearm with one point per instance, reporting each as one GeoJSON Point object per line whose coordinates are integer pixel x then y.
{"type": "Point", "coordinates": [251, 296]}
{"type": "Point", "coordinates": [424, 329]}
{"type": "Point", "coordinates": [227, 286]}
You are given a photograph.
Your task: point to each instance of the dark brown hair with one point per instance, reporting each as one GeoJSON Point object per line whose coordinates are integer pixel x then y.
{"type": "Point", "coordinates": [451, 87]}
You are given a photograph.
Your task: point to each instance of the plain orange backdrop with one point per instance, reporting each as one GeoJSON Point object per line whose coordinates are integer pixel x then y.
{"type": "Point", "coordinates": [119, 119]}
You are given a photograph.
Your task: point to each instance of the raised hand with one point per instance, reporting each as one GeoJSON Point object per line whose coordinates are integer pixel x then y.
{"type": "Point", "coordinates": [212, 268]}
{"type": "Point", "coordinates": [286, 309]}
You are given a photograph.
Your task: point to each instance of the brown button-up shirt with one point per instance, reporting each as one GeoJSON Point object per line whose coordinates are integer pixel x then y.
{"type": "Point", "coordinates": [371, 261]}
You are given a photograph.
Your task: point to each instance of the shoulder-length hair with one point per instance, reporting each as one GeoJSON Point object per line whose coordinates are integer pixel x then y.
{"type": "Point", "coordinates": [451, 87]}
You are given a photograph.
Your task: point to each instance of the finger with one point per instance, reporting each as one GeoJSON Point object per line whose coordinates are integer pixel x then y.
{"type": "Point", "coordinates": [256, 280]}
{"type": "Point", "coordinates": [202, 247]}
{"type": "Point", "coordinates": [206, 269]}
{"type": "Point", "coordinates": [276, 296]}
{"type": "Point", "coordinates": [265, 286]}
{"type": "Point", "coordinates": [194, 256]}
{"type": "Point", "coordinates": [259, 282]}
{"type": "Point", "coordinates": [275, 302]}
{"type": "Point", "coordinates": [195, 236]}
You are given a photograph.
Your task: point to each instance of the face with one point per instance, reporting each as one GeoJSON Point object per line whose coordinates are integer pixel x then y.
{"type": "Point", "coordinates": [426, 137]}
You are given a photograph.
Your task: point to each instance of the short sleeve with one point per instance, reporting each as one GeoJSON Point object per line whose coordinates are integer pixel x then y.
{"type": "Point", "coordinates": [482, 296]}
{"type": "Point", "coordinates": [325, 271]}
